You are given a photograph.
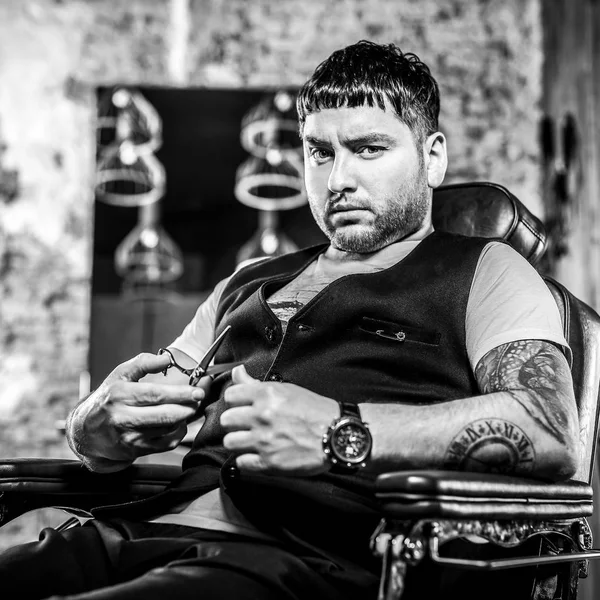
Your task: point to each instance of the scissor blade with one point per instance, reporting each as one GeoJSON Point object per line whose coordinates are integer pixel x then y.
{"type": "Point", "coordinates": [221, 368]}
{"type": "Point", "coordinates": [210, 353]}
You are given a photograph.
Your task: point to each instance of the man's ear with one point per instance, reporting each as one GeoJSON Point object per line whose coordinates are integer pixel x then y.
{"type": "Point", "coordinates": [436, 159]}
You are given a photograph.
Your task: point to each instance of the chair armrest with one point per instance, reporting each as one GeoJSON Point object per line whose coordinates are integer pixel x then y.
{"type": "Point", "coordinates": [459, 495]}
{"type": "Point", "coordinates": [58, 476]}
{"type": "Point", "coordinates": [31, 483]}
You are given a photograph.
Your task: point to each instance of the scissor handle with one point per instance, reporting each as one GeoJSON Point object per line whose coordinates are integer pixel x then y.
{"type": "Point", "coordinates": [202, 367]}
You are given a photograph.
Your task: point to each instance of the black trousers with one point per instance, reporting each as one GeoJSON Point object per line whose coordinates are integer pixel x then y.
{"type": "Point", "coordinates": [120, 560]}
{"type": "Point", "coordinates": [124, 560]}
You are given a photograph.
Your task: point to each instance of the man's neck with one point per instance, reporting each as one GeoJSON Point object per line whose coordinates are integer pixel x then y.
{"type": "Point", "coordinates": [337, 255]}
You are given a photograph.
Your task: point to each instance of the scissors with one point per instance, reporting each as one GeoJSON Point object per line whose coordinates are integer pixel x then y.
{"type": "Point", "coordinates": [202, 369]}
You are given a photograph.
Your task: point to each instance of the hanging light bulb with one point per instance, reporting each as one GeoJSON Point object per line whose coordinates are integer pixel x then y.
{"type": "Point", "coordinates": [126, 178]}
{"type": "Point", "coordinates": [268, 240]}
{"type": "Point", "coordinates": [148, 257]}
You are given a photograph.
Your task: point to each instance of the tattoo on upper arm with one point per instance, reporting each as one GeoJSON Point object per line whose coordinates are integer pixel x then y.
{"type": "Point", "coordinates": [536, 374]}
{"type": "Point", "coordinates": [531, 366]}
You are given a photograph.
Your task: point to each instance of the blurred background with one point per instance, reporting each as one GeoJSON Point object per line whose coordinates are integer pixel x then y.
{"type": "Point", "coordinates": [165, 89]}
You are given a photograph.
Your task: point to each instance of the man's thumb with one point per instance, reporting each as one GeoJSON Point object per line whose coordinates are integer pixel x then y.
{"type": "Point", "coordinates": [240, 375]}
{"type": "Point", "coordinates": [142, 364]}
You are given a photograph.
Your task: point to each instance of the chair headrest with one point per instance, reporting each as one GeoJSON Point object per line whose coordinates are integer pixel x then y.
{"type": "Point", "coordinates": [489, 210]}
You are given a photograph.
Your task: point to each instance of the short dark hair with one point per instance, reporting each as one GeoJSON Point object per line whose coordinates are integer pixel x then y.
{"type": "Point", "coordinates": [370, 73]}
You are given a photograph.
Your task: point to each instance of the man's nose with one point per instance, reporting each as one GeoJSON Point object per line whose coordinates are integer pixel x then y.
{"type": "Point", "coordinates": [342, 177]}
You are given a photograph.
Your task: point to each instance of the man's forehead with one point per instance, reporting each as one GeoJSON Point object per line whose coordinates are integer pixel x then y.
{"type": "Point", "coordinates": [352, 121]}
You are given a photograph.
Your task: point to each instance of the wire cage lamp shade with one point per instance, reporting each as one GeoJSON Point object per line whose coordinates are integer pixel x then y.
{"type": "Point", "coordinates": [271, 183]}
{"type": "Point", "coordinates": [125, 178]}
{"type": "Point", "coordinates": [129, 131]}
{"type": "Point", "coordinates": [147, 256]}
{"type": "Point", "coordinates": [124, 114]}
{"type": "Point", "coordinates": [271, 123]}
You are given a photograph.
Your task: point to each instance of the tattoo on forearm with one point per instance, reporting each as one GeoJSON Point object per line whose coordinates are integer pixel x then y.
{"type": "Point", "coordinates": [536, 375]}
{"type": "Point", "coordinates": [491, 446]}
{"type": "Point", "coordinates": [523, 367]}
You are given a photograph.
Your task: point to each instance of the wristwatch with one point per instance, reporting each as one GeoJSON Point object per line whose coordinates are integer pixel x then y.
{"type": "Point", "coordinates": [347, 443]}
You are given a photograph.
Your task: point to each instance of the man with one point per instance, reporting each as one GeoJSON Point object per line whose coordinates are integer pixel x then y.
{"type": "Point", "coordinates": [423, 335]}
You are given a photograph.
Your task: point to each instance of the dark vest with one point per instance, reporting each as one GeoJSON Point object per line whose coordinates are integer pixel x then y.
{"type": "Point", "coordinates": [396, 334]}
{"type": "Point", "coordinates": [388, 336]}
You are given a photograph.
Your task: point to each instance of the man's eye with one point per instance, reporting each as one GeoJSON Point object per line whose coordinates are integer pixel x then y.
{"type": "Point", "coordinates": [320, 154]}
{"type": "Point", "coordinates": [370, 151]}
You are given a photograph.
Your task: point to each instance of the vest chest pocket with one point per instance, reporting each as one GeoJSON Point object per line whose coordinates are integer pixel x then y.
{"type": "Point", "coordinates": [398, 332]}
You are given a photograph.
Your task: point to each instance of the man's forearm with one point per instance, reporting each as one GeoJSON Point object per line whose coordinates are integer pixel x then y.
{"type": "Point", "coordinates": [496, 432]}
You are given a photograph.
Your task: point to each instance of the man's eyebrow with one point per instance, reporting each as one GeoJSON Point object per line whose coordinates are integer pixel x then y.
{"type": "Point", "coordinates": [369, 138]}
{"type": "Point", "coordinates": [315, 141]}
{"type": "Point", "coordinates": [365, 139]}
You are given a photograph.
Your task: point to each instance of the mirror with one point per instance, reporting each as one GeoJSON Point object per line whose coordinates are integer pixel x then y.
{"type": "Point", "coordinates": [200, 152]}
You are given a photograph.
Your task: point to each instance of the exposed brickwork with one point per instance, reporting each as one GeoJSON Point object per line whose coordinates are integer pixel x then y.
{"type": "Point", "coordinates": [486, 56]}
{"type": "Point", "coordinates": [47, 136]}
{"type": "Point", "coordinates": [125, 41]}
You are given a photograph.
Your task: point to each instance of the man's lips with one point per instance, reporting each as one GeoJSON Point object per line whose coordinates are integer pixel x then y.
{"type": "Point", "coordinates": [348, 214]}
{"type": "Point", "coordinates": [346, 208]}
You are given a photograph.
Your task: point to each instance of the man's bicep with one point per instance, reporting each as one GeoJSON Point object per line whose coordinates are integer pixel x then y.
{"type": "Point", "coordinates": [508, 301]}
{"type": "Point", "coordinates": [536, 374]}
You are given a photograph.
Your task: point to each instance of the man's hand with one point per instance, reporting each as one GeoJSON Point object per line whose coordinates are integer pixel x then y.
{"type": "Point", "coordinates": [125, 418]}
{"type": "Point", "coordinates": [276, 427]}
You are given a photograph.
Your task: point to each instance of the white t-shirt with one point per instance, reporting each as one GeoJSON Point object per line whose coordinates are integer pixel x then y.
{"type": "Point", "coordinates": [508, 301]}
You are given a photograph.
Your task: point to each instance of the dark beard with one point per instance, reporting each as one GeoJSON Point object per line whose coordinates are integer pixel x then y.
{"type": "Point", "coordinates": [411, 209]}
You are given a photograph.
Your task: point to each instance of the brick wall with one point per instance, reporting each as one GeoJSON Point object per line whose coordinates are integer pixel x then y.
{"type": "Point", "coordinates": [486, 56]}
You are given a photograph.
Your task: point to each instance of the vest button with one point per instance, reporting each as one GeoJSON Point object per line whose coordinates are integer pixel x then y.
{"type": "Point", "coordinates": [270, 334]}
{"type": "Point", "coordinates": [302, 327]}
{"type": "Point", "coordinates": [232, 472]}
{"type": "Point", "coordinates": [275, 377]}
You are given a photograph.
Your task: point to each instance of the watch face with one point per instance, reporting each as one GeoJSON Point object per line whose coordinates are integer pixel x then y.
{"type": "Point", "coordinates": [351, 443]}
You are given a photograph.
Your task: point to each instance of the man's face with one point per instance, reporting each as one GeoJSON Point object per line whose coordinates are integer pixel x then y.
{"type": "Point", "coordinates": [365, 178]}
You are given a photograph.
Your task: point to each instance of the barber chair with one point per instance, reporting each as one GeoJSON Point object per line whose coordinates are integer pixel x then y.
{"type": "Point", "coordinates": [424, 510]}
{"type": "Point", "coordinates": [421, 510]}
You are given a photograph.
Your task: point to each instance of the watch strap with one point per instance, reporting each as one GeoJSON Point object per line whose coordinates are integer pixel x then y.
{"type": "Point", "coordinates": [349, 409]}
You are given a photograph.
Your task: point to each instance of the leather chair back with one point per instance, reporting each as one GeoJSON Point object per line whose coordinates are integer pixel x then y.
{"type": "Point", "coordinates": [489, 210]}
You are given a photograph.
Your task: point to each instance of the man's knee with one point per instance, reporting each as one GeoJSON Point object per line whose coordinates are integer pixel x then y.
{"type": "Point", "coordinates": [55, 564]}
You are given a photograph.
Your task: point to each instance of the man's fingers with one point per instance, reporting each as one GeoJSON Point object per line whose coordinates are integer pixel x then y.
{"type": "Point", "coordinates": [240, 375]}
{"type": "Point", "coordinates": [250, 462]}
{"type": "Point", "coordinates": [148, 441]}
{"type": "Point", "coordinates": [243, 394]}
{"type": "Point", "coordinates": [144, 363]}
{"type": "Point", "coordinates": [140, 418]}
{"type": "Point", "coordinates": [204, 383]}
{"type": "Point", "coordinates": [148, 394]}
{"type": "Point", "coordinates": [238, 418]}
{"type": "Point", "coordinates": [239, 441]}
{"type": "Point", "coordinates": [245, 389]}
